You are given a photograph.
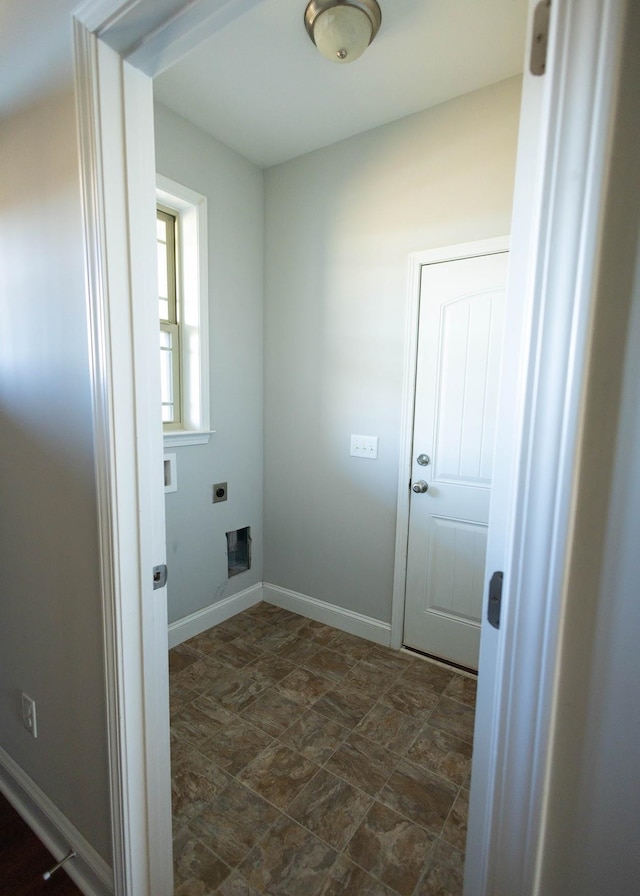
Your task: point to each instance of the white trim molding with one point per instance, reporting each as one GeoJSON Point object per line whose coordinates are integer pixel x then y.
{"type": "Point", "coordinates": [329, 614]}
{"type": "Point", "coordinates": [416, 261]}
{"type": "Point", "coordinates": [87, 869]}
{"type": "Point", "coordinates": [115, 133]}
{"type": "Point", "coordinates": [557, 231]}
{"type": "Point", "coordinates": [192, 625]}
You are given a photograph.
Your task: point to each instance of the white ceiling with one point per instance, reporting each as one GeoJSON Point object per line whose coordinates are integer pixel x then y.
{"type": "Point", "coordinates": [260, 86]}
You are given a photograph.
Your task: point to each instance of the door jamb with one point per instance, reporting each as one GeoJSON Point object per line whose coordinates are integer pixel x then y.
{"type": "Point", "coordinates": [415, 262]}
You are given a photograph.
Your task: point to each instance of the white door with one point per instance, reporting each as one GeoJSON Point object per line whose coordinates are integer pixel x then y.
{"type": "Point", "coordinates": [459, 347]}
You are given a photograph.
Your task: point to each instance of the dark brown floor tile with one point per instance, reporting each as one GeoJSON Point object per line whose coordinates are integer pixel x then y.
{"type": "Point", "coordinates": [389, 728]}
{"type": "Point", "coordinates": [272, 712]}
{"type": "Point", "coordinates": [197, 870]}
{"type": "Point", "coordinates": [330, 808]}
{"type": "Point", "coordinates": [293, 623]}
{"type": "Point", "coordinates": [317, 631]}
{"type": "Point", "coordinates": [454, 717]}
{"type": "Point", "coordinates": [463, 689]}
{"type": "Point", "coordinates": [235, 690]}
{"type": "Point", "coordinates": [234, 744]}
{"type": "Point", "coordinates": [455, 827]}
{"type": "Point", "coordinates": [420, 795]}
{"type": "Point", "coordinates": [392, 660]}
{"type": "Point", "coordinates": [314, 736]}
{"type": "Point", "coordinates": [391, 848]}
{"type": "Point", "coordinates": [297, 650]}
{"type": "Point", "coordinates": [351, 645]}
{"type": "Point", "coordinates": [235, 627]}
{"type": "Point", "coordinates": [192, 724]}
{"type": "Point", "coordinates": [442, 752]}
{"type": "Point", "coordinates": [200, 675]}
{"type": "Point", "coordinates": [274, 639]}
{"type": "Point", "coordinates": [362, 763]}
{"type": "Point", "coordinates": [236, 885]}
{"type": "Point", "coordinates": [236, 654]}
{"type": "Point", "coordinates": [346, 879]}
{"type": "Point", "coordinates": [279, 615]}
{"type": "Point", "coordinates": [269, 669]}
{"type": "Point", "coordinates": [304, 686]}
{"type": "Point", "coordinates": [181, 657]}
{"type": "Point", "coordinates": [194, 782]}
{"type": "Point", "coordinates": [233, 822]}
{"type": "Point", "coordinates": [263, 610]}
{"type": "Point", "coordinates": [432, 677]}
{"type": "Point", "coordinates": [344, 706]}
{"type": "Point", "coordinates": [329, 663]}
{"type": "Point", "coordinates": [180, 750]}
{"type": "Point", "coordinates": [367, 679]}
{"type": "Point", "coordinates": [278, 774]}
{"type": "Point", "coordinates": [445, 873]}
{"type": "Point", "coordinates": [410, 697]}
{"type": "Point", "coordinates": [179, 697]}
{"type": "Point", "coordinates": [289, 860]}
{"type": "Point", "coordinates": [210, 639]}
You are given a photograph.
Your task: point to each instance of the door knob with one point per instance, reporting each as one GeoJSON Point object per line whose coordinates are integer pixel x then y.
{"type": "Point", "coordinates": [420, 487]}
{"type": "Point", "coordinates": [423, 459]}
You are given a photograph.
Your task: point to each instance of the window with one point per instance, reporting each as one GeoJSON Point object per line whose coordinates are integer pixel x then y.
{"type": "Point", "coordinates": [183, 309]}
{"type": "Point", "coordinates": [170, 388]}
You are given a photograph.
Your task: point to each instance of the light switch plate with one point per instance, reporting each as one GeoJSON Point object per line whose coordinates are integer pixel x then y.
{"type": "Point", "coordinates": [364, 446]}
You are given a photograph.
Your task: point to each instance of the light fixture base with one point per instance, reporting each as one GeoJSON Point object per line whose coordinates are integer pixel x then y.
{"type": "Point", "coordinates": [315, 8]}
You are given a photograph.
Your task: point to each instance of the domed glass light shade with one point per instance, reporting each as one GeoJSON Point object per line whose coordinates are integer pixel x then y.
{"type": "Point", "coordinates": [342, 29]}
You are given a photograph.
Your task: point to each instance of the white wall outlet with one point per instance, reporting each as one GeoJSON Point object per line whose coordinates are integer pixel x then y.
{"type": "Point", "coordinates": [364, 446]}
{"type": "Point", "coordinates": [29, 714]}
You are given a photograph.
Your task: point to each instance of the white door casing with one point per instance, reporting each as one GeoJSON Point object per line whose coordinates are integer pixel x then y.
{"type": "Point", "coordinates": [459, 347]}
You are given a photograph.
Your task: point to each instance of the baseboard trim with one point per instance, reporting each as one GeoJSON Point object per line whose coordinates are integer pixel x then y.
{"type": "Point", "coordinates": [329, 614]}
{"type": "Point", "coordinates": [190, 626]}
{"type": "Point", "coordinates": [88, 870]}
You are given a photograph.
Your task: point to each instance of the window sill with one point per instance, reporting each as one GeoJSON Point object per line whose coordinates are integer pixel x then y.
{"type": "Point", "coordinates": [181, 437]}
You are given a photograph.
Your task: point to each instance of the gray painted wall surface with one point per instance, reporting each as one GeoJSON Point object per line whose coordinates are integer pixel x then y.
{"type": "Point", "coordinates": [196, 543]}
{"type": "Point", "coordinates": [340, 223]}
{"type": "Point", "coordinates": [51, 622]}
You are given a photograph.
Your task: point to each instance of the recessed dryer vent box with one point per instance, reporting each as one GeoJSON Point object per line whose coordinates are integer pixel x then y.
{"type": "Point", "coordinates": [238, 551]}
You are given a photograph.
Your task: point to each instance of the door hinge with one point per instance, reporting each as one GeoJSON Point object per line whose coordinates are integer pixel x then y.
{"type": "Point", "coordinates": [540, 37]}
{"type": "Point", "coordinates": [159, 576]}
{"type": "Point", "coordinates": [495, 599]}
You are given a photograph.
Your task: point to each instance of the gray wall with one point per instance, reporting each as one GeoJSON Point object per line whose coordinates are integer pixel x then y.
{"type": "Point", "coordinates": [196, 543]}
{"type": "Point", "coordinates": [339, 225]}
{"type": "Point", "coordinates": [50, 610]}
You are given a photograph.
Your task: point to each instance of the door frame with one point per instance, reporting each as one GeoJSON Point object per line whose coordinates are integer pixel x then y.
{"type": "Point", "coordinates": [555, 238]}
{"type": "Point", "coordinates": [412, 315]}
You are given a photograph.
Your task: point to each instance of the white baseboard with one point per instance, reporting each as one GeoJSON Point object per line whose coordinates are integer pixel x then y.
{"type": "Point", "coordinates": [88, 870]}
{"type": "Point", "coordinates": [329, 614]}
{"type": "Point", "coordinates": [190, 626]}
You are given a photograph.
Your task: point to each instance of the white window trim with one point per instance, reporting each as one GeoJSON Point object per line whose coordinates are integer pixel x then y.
{"type": "Point", "coordinates": [194, 305]}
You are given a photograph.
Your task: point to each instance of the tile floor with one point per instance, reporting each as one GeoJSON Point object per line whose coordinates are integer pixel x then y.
{"type": "Point", "coordinates": [308, 761]}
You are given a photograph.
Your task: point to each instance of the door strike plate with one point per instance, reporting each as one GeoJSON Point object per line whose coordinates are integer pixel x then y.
{"type": "Point", "coordinates": [159, 576]}
{"type": "Point", "coordinates": [495, 599]}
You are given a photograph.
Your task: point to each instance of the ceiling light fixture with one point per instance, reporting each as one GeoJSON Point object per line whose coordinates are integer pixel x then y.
{"type": "Point", "coordinates": [342, 29]}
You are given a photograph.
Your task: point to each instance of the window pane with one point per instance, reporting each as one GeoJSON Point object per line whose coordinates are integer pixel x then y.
{"type": "Point", "coordinates": [161, 229]}
{"type": "Point", "coordinates": [163, 285]}
{"type": "Point", "coordinates": [166, 369]}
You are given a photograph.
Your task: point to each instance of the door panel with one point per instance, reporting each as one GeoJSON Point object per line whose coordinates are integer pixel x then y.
{"type": "Point", "coordinates": [459, 346]}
